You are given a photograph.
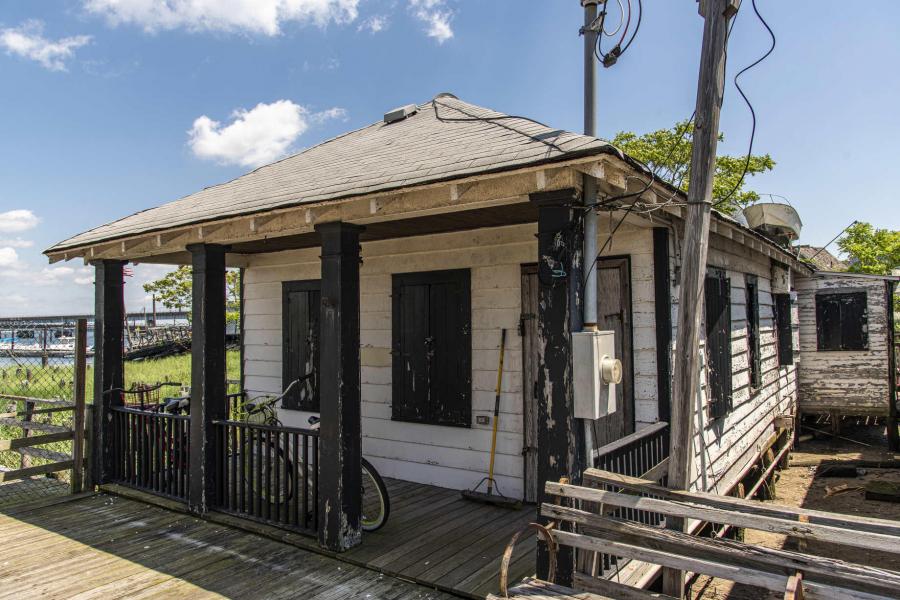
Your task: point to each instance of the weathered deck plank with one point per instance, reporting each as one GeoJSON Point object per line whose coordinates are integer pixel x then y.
{"type": "Point", "coordinates": [112, 547]}
{"type": "Point", "coordinates": [104, 547]}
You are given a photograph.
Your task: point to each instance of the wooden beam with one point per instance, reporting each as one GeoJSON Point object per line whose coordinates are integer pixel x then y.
{"type": "Point", "coordinates": [853, 522]}
{"type": "Point", "coordinates": [776, 564]}
{"type": "Point", "coordinates": [35, 440]}
{"type": "Point", "coordinates": [80, 385]}
{"type": "Point", "coordinates": [208, 402]}
{"type": "Point", "coordinates": [109, 318]}
{"type": "Point", "coordinates": [791, 527]}
{"type": "Point", "coordinates": [710, 90]}
{"type": "Point", "coordinates": [560, 437]}
{"type": "Point", "coordinates": [340, 475]}
{"type": "Point", "coordinates": [662, 308]}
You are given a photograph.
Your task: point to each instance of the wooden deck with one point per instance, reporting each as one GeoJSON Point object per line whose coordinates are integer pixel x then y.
{"type": "Point", "coordinates": [110, 546]}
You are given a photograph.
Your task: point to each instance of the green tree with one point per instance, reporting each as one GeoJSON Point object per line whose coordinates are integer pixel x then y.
{"type": "Point", "coordinates": [871, 250]}
{"type": "Point", "coordinates": [668, 154]}
{"type": "Point", "coordinates": [174, 290]}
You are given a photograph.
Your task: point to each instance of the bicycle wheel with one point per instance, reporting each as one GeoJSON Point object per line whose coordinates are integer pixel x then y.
{"type": "Point", "coordinates": [376, 506]}
{"type": "Point", "coordinates": [261, 475]}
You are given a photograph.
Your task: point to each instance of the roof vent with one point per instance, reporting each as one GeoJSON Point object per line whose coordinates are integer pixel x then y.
{"type": "Point", "coordinates": [446, 95]}
{"type": "Point", "coordinates": [398, 114]}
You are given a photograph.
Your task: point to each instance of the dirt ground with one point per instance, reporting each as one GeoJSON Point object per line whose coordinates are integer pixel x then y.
{"type": "Point", "coordinates": [804, 484]}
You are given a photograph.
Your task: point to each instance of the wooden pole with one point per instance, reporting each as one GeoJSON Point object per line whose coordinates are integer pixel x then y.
{"type": "Point", "coordinates": [208, 402]}
{"type": "Point", "coordinates": [560, 436]}
{"type": "Point", "coordinates": [710, 87]}
{"type": "Point", "coordinates": [108, 366]}
{"type": "Point", "coordinates": [79, 393]}
{"type": "Point", "coordinates": [340, 433]}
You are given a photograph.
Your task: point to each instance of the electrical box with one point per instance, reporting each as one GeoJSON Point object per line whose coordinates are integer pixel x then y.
{"type": "Point", "coordinates": [595, 373]}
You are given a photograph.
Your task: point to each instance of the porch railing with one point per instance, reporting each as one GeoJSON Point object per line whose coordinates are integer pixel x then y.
{"type": "Point", "coordinates": [268, 473]}
{"type": "Point", "coordinates": [641, 454]}
{"type": "Point", "coordinates": [151, 451]}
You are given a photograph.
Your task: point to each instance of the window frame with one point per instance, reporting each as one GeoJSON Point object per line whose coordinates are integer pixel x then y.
{"type": "Point", "coordinates": [460, 413]}
{"type": "Point", "coordinates": [837, 339]}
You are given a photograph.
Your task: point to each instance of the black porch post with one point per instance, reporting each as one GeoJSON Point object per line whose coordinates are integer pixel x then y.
{"type": "Point", "coordinates": [560, 435]}
{"type": "Point", "coordinates": [109, 316]}
{"type": "Point", "coordinates": [340, 430]}
{"type": "Point", "coordinates": [662, 308]}
{"type": "Point", "coordinates": [208, 401]}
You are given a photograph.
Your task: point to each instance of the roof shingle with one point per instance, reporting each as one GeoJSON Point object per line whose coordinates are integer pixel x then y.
{"type": "Point", "coordinates": [446, 139]}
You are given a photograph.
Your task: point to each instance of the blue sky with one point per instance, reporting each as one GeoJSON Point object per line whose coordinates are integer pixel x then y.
{"type": "Point", "coordinates": [113, 107]}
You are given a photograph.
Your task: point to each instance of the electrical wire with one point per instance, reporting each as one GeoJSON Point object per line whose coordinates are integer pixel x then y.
{"type": "Point", "coordinates": [621, 20]}
{"type": "Point", "coordinates": [740, 90]}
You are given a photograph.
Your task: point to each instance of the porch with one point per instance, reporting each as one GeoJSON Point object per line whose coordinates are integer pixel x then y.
{"type": "Point", "coordinates": [151, 545]}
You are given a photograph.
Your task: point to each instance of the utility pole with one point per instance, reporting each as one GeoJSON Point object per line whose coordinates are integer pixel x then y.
{"type": "Point", "coordinates": [710, 89]}
{"type": "Point", "coordinates": [589, 185]}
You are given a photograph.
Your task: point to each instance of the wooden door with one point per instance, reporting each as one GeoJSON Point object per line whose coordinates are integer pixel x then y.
{"type": "Point", "coordinates": [529, 333]}
{"type": "Point", "coordinates": [614, 314]}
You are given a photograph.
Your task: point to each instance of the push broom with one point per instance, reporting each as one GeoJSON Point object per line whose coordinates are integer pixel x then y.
{"type": "Point", "coordinates": [493, 494]}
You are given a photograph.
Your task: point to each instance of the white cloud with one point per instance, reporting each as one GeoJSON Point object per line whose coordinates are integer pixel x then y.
{"type": "Point", "coordinates": [436, 17]}
{"type": "Point", "coordinates": [257, 136]}
{"type": "Point", "coordinates": [374, 24]}
{"type": "Point", "coordinates": [8, 257]}
{"type": "Point", "coordinates": [28, 42]}
{"type": "Point", "coordinates": [251, 16]}
{"type": "Point", "coordinates": [14, 221]}
{"type": "Point", "coordinates": [16, 243]}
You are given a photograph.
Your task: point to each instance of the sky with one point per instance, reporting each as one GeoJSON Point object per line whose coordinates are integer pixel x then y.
{"type": "Point", "coordinates": [108, 107]}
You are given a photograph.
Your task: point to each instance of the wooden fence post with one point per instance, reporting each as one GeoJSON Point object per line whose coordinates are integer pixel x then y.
{"type": "Point", "coordinates": [80, 381]}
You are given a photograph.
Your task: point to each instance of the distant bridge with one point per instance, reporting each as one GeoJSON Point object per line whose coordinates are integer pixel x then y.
{"type": "Point", "coordinates": [162, 318]}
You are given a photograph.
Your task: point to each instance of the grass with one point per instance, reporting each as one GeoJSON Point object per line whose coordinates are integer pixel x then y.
{"type": "Point", "coordinates": [29, 377]}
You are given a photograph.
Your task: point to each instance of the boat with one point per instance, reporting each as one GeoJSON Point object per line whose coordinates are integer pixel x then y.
{"type": "Point", "coordinates": [776, 220]}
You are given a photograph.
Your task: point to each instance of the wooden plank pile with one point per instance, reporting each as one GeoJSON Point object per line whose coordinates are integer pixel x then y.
{"type": "Point", "coordinates": [581, 518]}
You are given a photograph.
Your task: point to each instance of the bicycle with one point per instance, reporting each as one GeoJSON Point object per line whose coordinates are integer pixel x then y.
{"type": "Point", "coordinates": [263, 410]}
{"type": "Point", "coordinates": [160, 449]}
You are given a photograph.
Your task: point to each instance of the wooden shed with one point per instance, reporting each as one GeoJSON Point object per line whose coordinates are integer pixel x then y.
{"type": "Point", "coordinates": [388, 260]}
{"type": "Point", "coordinates": [847, 363]}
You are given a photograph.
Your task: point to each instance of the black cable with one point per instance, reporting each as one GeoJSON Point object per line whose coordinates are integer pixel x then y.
{"type": "Point", "coordinates": [637, 26]}
{"type": "Point", "coordinates": [771, 49]}
{"type": "Point", "coordinates": [605, 244]}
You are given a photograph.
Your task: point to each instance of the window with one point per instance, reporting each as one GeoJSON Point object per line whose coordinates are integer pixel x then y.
{"type": "Point", "coordinates": [300, 302]}
{"type": "Point", "coordinates": [432, 351]}
{"type": "Point", "coordinates": [718, 342]}
{"type": "Point", "coordinates": [784, 329]}
{"type": "Point", "coordinates": [842, 321]}
{"type": "Point", "coordinates": [752, 291]}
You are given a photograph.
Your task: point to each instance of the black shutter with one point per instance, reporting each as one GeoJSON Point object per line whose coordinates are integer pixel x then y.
{"type": "Point", "coordinates": [432, 348]}
{"type": "Point", "coordinates": [300, 349]}
{"type": "Point", "coordinates": [718, 342]}
{"type": "Point", "coordinates": [753, 331]}
{"type": "Point", "coordinates": [842, 321]}
{"type": "Point", "coordinates": [410, 347]}
{"type": "Point", "coordinates": [783, 329]}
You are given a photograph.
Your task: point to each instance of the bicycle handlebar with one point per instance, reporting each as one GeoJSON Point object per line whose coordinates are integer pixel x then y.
{"type": "Point", "coordinates": [263, 400]}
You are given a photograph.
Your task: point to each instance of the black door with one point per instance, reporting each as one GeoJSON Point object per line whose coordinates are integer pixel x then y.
{"type": "Point", "coordinates": [432, 379]}
{"type": "Point", "coordinates": [300, 349]}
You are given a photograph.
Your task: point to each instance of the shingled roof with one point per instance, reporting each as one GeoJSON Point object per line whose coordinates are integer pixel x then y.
{"type": "Point", "coordinates": [445, 139]}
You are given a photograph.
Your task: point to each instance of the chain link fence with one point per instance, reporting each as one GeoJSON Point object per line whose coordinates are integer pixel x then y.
{"type": "Point", "coordinates": [37, 396]}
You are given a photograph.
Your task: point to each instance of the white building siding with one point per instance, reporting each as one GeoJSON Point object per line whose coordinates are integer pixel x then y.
{"type": "Point", "coordinates": [452, 457]}
{"type": "Point", "coordinates": [723, 446]}
{"type": "Point", "coordinates": [848, 382]}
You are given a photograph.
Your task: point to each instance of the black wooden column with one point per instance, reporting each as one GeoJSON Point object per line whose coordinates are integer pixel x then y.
{"type": "Point", "coordinates": [208, 402]}
{"type": "Point", "coordinates": [340, 442]}
{"type": "Point", "coordinates": [109, 318]}
{"type": "Point", "coordinates": [662, 302]}
{"type": "Point", "coordinates": [560, 436]}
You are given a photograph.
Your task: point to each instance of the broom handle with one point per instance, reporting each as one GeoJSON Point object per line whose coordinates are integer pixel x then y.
{"type": "Point", "coordinates": [490, 481]}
